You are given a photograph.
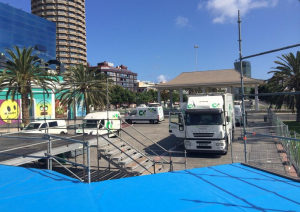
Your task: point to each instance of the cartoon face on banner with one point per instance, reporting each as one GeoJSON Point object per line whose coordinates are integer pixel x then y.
{"type": "Point", "coordinates": [9, 110]}
{"type": "Point", "coordinates": [43, 109]}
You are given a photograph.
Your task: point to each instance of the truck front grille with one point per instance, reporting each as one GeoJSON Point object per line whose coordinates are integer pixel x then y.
{"type": "Point", "coordinates": [201, 135]}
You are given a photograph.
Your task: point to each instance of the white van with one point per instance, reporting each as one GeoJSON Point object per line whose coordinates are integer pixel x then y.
{"type": "Point", "coordinates": [151, 114]}
{"type": "Point", "coordinates": [55, 127]}
{"type": "Point", "coordinates": [238, 115]}
{"type": "Point", "coordinates": [90, 123]}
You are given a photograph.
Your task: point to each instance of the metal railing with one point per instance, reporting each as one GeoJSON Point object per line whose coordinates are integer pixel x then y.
{"type": "Point", "coordinates": [289, 141]}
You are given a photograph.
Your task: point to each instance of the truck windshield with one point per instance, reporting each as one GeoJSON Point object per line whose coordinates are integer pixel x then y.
{"type": "Point", "coordinates": [90, 123]}
{"type": "Point", "coordinates": [204, 119]}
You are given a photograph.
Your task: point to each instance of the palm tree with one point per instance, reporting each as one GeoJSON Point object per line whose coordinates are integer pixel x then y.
{"type": "Point", "coordinates": [287, 79]}
{"type": "Point", "coordinates": [23, 71]}
{"type": "Point", "coordinates": [84, 85]}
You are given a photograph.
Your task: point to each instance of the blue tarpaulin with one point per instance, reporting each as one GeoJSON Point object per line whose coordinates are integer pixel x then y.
{"type": "Point", "coordinates": [232, 187]}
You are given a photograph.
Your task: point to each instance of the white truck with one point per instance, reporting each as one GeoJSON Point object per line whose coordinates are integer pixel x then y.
{"type": "Point", "coordinates": [206, 123]}
{"type": "Point", "coordinates": [151, 114]}
{"type": "Point", "coordinates": [98, 121]}
{"type": "Point", "coordinates": [238, 115]}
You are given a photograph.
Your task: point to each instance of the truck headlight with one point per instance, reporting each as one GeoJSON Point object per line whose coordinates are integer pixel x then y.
{"type": "Point", "coordinates": [219, 144]}
{"type": "Point", "coordinates": [187, 143]}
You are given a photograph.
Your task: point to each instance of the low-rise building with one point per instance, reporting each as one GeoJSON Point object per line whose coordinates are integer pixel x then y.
{"type": "Point", "coordinates": [119, 74]}
{"type": "Point", "coordinates": [145, 86]}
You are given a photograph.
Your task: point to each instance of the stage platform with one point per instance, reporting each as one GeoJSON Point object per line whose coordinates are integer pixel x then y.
{"type": "Point", "coordinates": [232, 187]}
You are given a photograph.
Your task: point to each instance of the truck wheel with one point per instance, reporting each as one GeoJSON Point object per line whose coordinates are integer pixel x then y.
{"type": "Point", "coordinates": [151, 121]}
{"type": "Point", "coordinates": [62, 132]}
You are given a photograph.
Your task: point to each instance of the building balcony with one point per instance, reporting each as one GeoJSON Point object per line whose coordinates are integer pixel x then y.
{"type": "Point", "coordinates": [63, 43]}
{"type": "Point", "coordinates": [63, 19]}
{"type": "Point", "coordinates": [50, 7]}
{"type": "Point", "coordinates": [63, 60]}
{"type": "Point", "coordinates": [73, 50]}
{"type": "Point", "coordinates": [71, 9]}
{"type": "Point", "coordinates": [64, 2]}
{"type": "Point", "coordinates": [62, 37]}
{"type": "Point", "coordinates": [62, 55]}
{"type": "Point", "coordinates": [73, 38]}
{"type": "Point", "coordinates": [73, 27]}
{"type": "Point", "coordinates": [73, 44]}
{"type": "Point", "coordinates": [72, 32]}
{"type": "Point", "coordinates": [62, 49]}
{"type": "Point", "coordinates": [62, 13]}
{"type": "Point", "coordinates": [50, 1]}
{"type": "Point", "coordinates": [50, 13]}
{"type": "Point", "coordinates": [71, 3]}
{"type": "Point", "coordinates": [73, 21]}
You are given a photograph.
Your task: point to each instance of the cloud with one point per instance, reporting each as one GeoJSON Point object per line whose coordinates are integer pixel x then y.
{"type": "Point", "coordinates": [182, 21]}
{"type": "Point", "coordinates": [162, 78]}
{"type": "Point", "coordinates": [226, 10]}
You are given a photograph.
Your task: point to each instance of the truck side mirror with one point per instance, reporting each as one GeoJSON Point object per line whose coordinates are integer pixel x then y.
{"type": "Point", "coordinates": [227, 118]}
{"type": "Point", "coordinates": [181, 127]}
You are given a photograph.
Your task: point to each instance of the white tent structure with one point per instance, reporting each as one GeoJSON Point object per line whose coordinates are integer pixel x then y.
{"type": "Point", "coordinates": [226, 78]}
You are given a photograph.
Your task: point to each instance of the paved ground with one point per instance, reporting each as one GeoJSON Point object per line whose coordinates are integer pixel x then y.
{"type": "Point", "coordinates": [261, 152]}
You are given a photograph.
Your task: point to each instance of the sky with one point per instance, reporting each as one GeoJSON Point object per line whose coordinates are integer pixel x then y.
{"type": "Point", "coordinates": [156, 38]}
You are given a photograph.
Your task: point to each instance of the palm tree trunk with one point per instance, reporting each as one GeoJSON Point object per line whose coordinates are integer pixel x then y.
{"type": "Point", "coordinates": [87, 108]}
{"type": "Point", "coordinates": [25, 108]}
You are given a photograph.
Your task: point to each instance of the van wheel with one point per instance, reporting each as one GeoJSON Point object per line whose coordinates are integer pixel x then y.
{"type": "Point", "coordinates": [151, 121]}
{"type": "Point", "coordinates": [129, 121]}
{"type": "Point", "coordinates": [62, 132]}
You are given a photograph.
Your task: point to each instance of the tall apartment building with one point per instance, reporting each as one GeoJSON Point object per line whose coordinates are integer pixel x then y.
{"type": "Point", "coordinates": [69, 16]}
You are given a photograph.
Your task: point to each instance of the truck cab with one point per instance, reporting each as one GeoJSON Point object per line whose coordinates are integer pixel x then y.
{"type": "Point", "coordinates": [206, 124]}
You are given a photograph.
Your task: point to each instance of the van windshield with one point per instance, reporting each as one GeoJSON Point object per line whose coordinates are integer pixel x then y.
{"type": "Point", "coordinates": [32, 126]}
{"type": "Point", "coordinates": [90, 123]}
{"type": "Point", "coordinates": [204, 119]}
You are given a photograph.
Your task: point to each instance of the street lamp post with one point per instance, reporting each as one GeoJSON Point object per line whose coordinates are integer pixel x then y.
{"type": "Point", "coordinates": [196, 47]}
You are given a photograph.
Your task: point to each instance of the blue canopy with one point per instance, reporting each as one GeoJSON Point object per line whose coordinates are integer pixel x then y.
{"type": "Point", "coordinates": [232, 187]}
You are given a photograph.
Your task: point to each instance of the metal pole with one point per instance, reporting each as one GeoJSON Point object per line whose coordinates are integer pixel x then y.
{"type": "Point", "coordinates": [242, 84]}
{"type": "Point", "coordinates": [98, 149]}
{"type": "Point", "coordinates": [83, 147]}
{"type": "Point", "coordinates": [196, 47]}
{"type": "Point", "coordinates": [88, 162]}
{"type": "Point", "coordinates": [18, 107]}
{"type": "Point", "coordinates": [49, 152]}
{"type": "Point", "coordinates": [44, 103]}
{"type": "Point", "coordinates": [74, 101]}
{"type": "Point", "coordinates": [107, 125]}
{"type": "Point", "coordinates": [185, 161]}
